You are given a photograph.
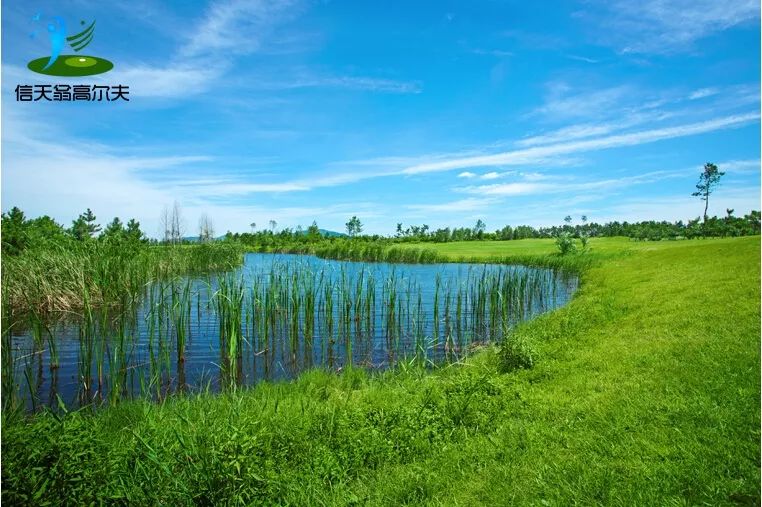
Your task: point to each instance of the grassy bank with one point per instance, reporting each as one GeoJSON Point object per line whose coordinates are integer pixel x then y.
{"type": "Point", "coordinates": [529, 252]}
{"type": "Point", "coordinates": [646, 392]}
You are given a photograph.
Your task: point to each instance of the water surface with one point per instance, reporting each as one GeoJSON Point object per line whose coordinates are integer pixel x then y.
{"type": "Point", "coordinates": [272, 318]}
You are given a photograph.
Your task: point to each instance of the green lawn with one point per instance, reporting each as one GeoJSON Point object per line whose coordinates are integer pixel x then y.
{"type": "Point", "coordinates": [646, 392]}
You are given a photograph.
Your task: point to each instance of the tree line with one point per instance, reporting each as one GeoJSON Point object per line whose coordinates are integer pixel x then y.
{"type": "Point", "coordinates": [20, 233]}
{"type": "Point", "coordinates": [729, 225]}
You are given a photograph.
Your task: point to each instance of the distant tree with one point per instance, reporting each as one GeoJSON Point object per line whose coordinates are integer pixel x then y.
{"type": "Point", "coordinates": [313, 231]}
{"type": "Point", "coordinates": [84, 227]}
{"type": "Point", "coordinates": [708, 181]}
{"type": "Point", "coordinates": [44, 231]}
{"type": "Point", "coordinates": [177, 229]}
{"type": "Point", "coordinates": [584, 234]}
{"type": "Point", "coordinates": [172, 224]}
{"type": "Point", "coordinates": [399, 232]}
{"type": "Point", "coordinates": [479, 228]}
{"type": "Point", "coordinates": [205, 228]}
{"type": "Point", "coordinates": [164, 223]}
{"type": "Point", "coordinates": [354, 226]}
{"type": "Point", "coordinates": [506, 232]}
{"type": "Point", "coordinates": [753, 219]}
{"type": "Point", "coordinates": [114, 231]}
{"type": "Point", "coordinates": [273, 225]}
{"type": "Point", "coordinates": [13, 233]}
{"type": "Point", "coordinates": [133, 232]}
{"type": "Point", "coordinates": [253, 226]}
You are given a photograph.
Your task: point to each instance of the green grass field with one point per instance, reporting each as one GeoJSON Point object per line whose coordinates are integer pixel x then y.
{"type": "Point", "coordinates": [646, 392]}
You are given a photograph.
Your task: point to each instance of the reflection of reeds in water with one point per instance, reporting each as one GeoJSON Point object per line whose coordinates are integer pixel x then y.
{"type": "Point", "coordinates": [293, 316]}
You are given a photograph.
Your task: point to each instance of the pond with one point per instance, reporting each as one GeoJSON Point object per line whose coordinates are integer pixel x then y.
{"type": "Point", "coordinates": [272, 318]}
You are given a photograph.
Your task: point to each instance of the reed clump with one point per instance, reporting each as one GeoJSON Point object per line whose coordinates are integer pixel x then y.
{"type": "Point", "coordinates": [54, 278]}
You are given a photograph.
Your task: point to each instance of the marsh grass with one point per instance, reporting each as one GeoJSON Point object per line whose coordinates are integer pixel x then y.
{"type": "Point", "coordinates": [54, 279]}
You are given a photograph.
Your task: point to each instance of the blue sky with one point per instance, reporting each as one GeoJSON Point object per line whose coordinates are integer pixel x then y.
{"type": "Point", "coordinates": [434, 112]}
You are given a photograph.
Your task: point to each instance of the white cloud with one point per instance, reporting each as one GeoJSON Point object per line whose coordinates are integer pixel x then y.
{"type": "Point", "coordinates": [534, 176]}
{"type": "Point", "coordinates": [740, 166]}
{"type": "Point", "coordinates": [561, 103]}
{"type": "Point", "coordinates": [582, 59]}
{"type": "Point", "coordinates": [535, 154]}
{"type": "Point", "coordinates": [491, 175]}
{"type": "Point", "coordinates": [510, 189]}
{"type": "Point", "coordinates": [532, 187]}
{"type": "Point", "coordinates": [702, 93]}
{"type": "Point", "coordinates": [659, 26]}
{"type": "Point", "coordinates": [227, 30]}
{"type": "Point", "coordinates": [346, 82]}
{"type": "Point", "coordinates": [569, 133]}
{"type": "Point", "coordinates": [166, 82]}
{"type": "Point", "coordinates": [466, 174]}
{"type": "Point", "coordinates": [237, 26]}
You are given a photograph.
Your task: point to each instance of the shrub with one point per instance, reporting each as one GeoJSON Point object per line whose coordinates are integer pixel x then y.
{"type": "Point", "coordinates": [565, 243]}
{"type": "Point", "coordinates": [517, 353]}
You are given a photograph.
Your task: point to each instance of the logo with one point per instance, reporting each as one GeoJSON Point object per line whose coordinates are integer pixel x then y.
{"type": "Point", "coordinates": [68, 65]}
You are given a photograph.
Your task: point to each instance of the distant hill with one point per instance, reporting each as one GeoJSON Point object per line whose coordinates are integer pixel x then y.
{"type": "Point", "coordinates": [331, 234]}
{"type": "Point", "coordinates": [327, 233]}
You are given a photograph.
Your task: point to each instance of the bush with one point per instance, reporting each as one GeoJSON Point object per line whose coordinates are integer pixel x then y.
{"type": "Point", "coordinates": [565, 243]}
{"type": "Point", "coordinates": [517, 353]}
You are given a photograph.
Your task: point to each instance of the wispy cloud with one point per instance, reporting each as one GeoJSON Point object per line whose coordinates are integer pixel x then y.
{"type": "Point", "coordinates": [563, 102]}
{"type": "Point", "coordinates": [571, 132]}
{"type": "Point", "coordinates": [229, 30]}
{"type": "Point", "coordinates": [539, 153]}
{"type": "Point", "coordinates": [703, 93]}
{"type": "Point", "coordinates": [236, 26]}
{"type": "Point", "coordinates": [346, 82]}
{"type": "Point", "coordinates": [118, 182]}
{"type": "Point", "coordinates": [582, 59]}
{"type": "Point", "coordinates": [658, 26]}
{"type": "Point", "coordinates": [174, 80]}
{"type": "Point", "coordinates": [534, 176]}
{"type": "Point", "coordinates": [467, 174]}
{"type": "Point", "coordinates": [530, 188]}
{"type": "Point", "coordinates": [207, 51]}
{"type": "Point", "coordinates": [740, 166]}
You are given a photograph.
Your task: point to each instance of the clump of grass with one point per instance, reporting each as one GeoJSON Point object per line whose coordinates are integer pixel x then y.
{"type": "Point", "coordinates": [517, 352]}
